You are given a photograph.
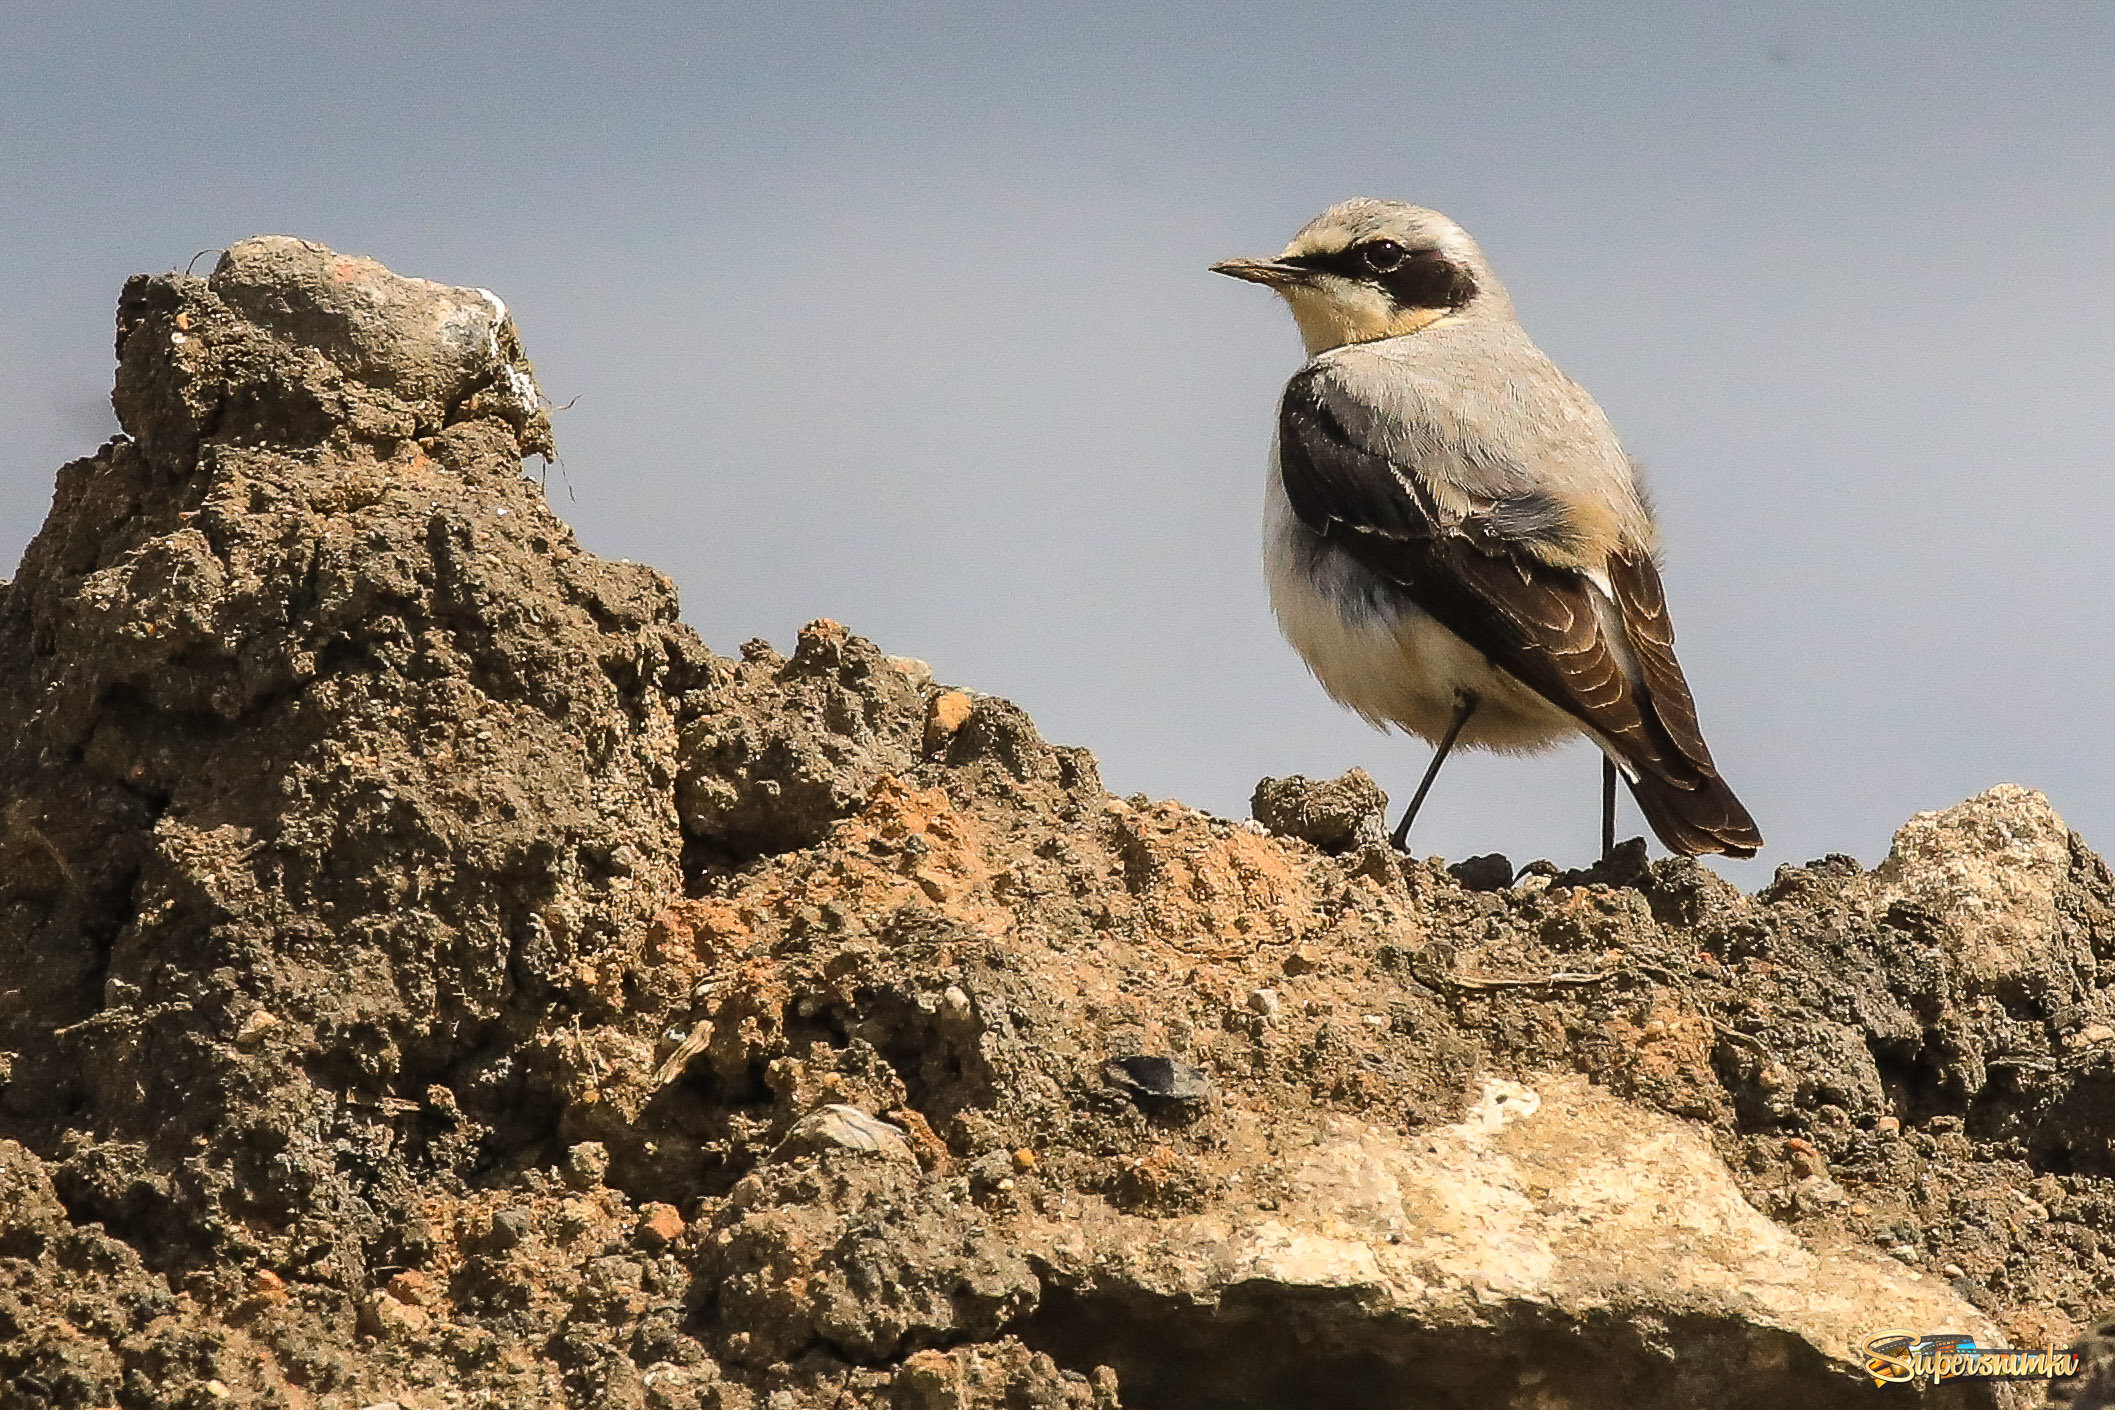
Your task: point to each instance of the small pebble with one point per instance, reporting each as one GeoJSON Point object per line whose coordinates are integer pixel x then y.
{"type": "Point", "coordinates": [846, 1128]}
{"type": "Point", "coordinates": [918, 671]}
{"type": "Point", "coordinates": [508, 1228]}
{"type": "Point", "coordinates": [950, 708]}
{"type": "Point", "coordinates": [255, 1026]}
{"type": "Point", "coordinates": [1490, 872]}
{"type": "Point", "coordinates": [1264, 1001]}
{"type": "Point", "coordinates": [1157, 1081]}
{"type": "Point", "coordinates": [659, 1225]}
{"type": "Point", "coordinates": [586, 1164]}
{"type": "Point", "coordinates": [384, 1317]}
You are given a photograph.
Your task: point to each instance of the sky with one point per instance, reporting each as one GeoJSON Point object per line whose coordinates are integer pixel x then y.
{"type": "Point", "coordinates": [900, 315]}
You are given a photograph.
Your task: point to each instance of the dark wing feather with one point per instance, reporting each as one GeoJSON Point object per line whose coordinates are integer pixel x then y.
{"type": "Point", "coordinates": [1538, 623]}
{"type": "Point", "coordinates": [1643, 604]}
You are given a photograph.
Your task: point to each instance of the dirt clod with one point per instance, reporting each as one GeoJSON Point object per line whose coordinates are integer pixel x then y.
{"type": "Point", "coordinates": [1491, 872]}
{"type": "Point", "coordinates": [1334, 814]}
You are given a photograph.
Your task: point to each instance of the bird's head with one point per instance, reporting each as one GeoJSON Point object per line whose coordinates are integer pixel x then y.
{"type": "Point", "coordinates": [1366, 269]}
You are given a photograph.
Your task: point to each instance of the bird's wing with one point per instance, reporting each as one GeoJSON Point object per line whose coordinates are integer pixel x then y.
{"type": "Point", "coordinates": [1642, 604]}
{"type": "Point", "coordinates": [1480, 576]}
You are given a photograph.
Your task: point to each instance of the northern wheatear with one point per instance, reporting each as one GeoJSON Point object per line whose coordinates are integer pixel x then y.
{"type": "Point", "coordinates": [1454, 539]}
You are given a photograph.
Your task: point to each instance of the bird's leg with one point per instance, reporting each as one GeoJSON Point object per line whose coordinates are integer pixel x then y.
{"type": "Point", "coordinates": [1465, 708]}
{"type": "Point", "coordinates": [1608, 807]}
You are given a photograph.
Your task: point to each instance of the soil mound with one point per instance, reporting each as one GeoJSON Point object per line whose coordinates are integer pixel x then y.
{"type": "Point", "coordinates": [429, 975]}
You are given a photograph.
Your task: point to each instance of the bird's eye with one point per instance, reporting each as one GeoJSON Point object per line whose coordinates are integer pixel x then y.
{"type": "Point", "coordinates": [1383, 256]}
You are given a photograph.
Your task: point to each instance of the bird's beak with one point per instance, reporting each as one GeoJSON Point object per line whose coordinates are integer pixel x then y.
{"type": "Point", "coordinates": [1263, 271]}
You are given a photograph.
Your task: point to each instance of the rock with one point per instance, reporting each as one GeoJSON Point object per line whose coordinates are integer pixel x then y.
{"type": "Point", "coordinates": [255, 1027]}
{"type": "Point", "coordinates": [586, 1164]}
{"type": "Point", "coordinates": [839, 1127]}
{"type": "Point", "coordinates": [1986, 874]}
{"type": "Point", "coordinates": [918, 672]}
{"type": "Point", "coordinates": [507, 1229]}
{"type": "Point", "coordinates": [1626, 865]}
{"type": "Point", "coordinates": [869, 1257]}
{"type": "Point", "coordinates": [386, 1319]}
{"type": "Point", "coordinates": [659, 1225]}
{"type": "Point", "coordinates": [30, 1213]}
{"type": "Point", "coordinates": [1335, 815]}
{"type": "Point", "coordinates": [944, 716]}
{"type": "Point", "coordinates": [1551, 1205]}
{"type": "Point", "coordinates": [1491, 872]}
{"type": "Point", "coordinates": [1159, 1083]}
{"type": "Point", "coordinates": [296, 669]}
{"type": "Point", "coordinates": [996, 1376]}
{"type": "Point", "coordinates": [426, 346]}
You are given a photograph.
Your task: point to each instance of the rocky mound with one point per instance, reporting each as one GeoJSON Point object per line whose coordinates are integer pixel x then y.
{"type": "Point", "coordinates": [429, 975]}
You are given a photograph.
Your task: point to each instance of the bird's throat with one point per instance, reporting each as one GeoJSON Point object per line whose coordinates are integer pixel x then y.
{"type": "Point", "coordinates": [1327, 319]}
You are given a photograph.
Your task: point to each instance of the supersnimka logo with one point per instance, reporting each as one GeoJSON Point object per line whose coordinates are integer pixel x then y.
{"type": "Point", "coordinates": [1896, 1357]}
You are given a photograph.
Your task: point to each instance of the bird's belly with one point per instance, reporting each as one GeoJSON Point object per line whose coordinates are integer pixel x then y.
{"type": "Point", "coordinates": [1383, 657]}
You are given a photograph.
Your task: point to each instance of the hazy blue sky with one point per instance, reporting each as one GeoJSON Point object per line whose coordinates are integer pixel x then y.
{"type": "Point", "coordinates": [900, 315]}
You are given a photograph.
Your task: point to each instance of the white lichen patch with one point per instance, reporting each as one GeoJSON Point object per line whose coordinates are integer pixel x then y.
{"type": "Point", "coordinates": [520, 385]}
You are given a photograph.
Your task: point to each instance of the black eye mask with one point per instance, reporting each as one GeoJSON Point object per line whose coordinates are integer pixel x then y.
{"type": "Point", "coordinates": [1422, 278]}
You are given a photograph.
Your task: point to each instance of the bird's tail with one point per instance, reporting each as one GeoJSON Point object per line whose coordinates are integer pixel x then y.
{"type": "Point", "coordinates": [1696, 814]}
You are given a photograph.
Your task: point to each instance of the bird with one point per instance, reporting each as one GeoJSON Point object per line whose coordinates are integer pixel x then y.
{"type": "Point", "coordinates": [1455, 541]}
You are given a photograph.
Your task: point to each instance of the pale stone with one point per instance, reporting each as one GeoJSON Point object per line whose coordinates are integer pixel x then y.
{"type": "Point", "coordinates": [1987, 870]}
{"type": "Point", "coordinates": [1551, 1202]}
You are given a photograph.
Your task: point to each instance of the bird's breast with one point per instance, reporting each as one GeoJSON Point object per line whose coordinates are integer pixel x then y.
{"type": "Point", "coordinates": [1378, 653]}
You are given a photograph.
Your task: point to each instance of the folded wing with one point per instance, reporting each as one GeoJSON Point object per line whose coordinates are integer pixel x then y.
{"type": "Point", "coordinates": [1480, 576]}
